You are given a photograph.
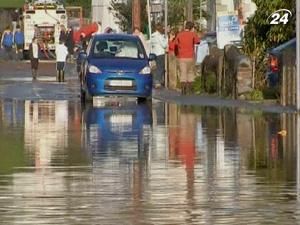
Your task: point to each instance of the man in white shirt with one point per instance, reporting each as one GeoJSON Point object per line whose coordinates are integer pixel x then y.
{"type": "Point", "coordinates": [61, 52]}
{"type": "Point", "coordinates": [159, 44]}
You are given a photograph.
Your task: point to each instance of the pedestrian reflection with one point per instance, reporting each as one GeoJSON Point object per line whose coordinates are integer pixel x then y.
{"type": "Point", "coordinates": [182, 144]}
{"type": "Point", "coordinates": [182, 135]}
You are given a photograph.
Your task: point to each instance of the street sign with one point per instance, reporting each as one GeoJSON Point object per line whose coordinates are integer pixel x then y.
{"type": "Point", "coordinates": [156, 8]}
{"type": "Point", "coordinates": [228, 29]}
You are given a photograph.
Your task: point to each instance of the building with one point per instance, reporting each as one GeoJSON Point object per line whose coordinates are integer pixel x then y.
{"type": "Point", "coordinates": [245, 8]}
{"type": "Point", "coordinates": [101, 11]}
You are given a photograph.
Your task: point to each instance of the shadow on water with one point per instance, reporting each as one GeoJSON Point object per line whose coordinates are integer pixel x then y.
{"type": "Point", "coordinates": [146, 164]}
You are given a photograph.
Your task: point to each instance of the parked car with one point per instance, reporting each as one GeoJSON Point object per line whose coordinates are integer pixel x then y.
{"type": "Point", "coordinates": [210, 38]}
{"type": "Point", "coordinates": [116, 65]}
{"type": "Point", "coordinates": [275, 61]}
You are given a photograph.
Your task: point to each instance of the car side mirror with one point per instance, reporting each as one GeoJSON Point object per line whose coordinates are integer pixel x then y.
{"type": "Point", "coordinates": [152, 57]}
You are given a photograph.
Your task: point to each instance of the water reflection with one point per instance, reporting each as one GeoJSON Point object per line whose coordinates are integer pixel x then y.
{"type": "Point", "coordinates": [120, 132]}
{"type": "Point", "coordinates": [143, 164]}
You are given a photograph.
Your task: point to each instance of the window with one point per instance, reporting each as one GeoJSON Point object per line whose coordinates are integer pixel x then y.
{"type": "Point", "coordinates": [118, 49]}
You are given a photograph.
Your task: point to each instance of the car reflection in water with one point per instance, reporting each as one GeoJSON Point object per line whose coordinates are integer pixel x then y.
{"type": "Point", "coordinates": [118, 131]}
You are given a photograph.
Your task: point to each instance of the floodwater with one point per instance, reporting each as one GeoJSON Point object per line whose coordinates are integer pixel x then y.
{"type": "Point", "coordinates": [61, 163]}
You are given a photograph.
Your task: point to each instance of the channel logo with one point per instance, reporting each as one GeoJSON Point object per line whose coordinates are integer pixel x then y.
{"type": "Point", "coordinates": [280, 16]}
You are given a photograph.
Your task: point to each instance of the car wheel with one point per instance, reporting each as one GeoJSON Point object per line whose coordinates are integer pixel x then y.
{"type": "Point", "coordinates": [142, 100]}
{"type": "Point", "coordinates": [82, 94]}
{"type": "Point", "coordinates": [85, 96]}
{"type": "Point", "coordinates": [88, 97]}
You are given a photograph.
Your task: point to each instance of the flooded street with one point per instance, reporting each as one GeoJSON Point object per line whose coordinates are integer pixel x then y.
{"type": "Point", "coordinates": [63, 163]}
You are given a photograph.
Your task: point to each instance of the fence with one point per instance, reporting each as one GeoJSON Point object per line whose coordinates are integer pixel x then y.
{"type": "Point", "coordinates": [288, 78]}
{"type": "Point", "coordinates": [231, 70]}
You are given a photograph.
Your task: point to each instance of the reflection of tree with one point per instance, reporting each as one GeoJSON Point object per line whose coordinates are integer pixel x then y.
{"type": "Point", "coordinates": [11, 139]}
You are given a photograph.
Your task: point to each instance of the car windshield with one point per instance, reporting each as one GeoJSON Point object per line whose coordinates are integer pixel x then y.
{"type": "Point", "coordinates": [118, 49]}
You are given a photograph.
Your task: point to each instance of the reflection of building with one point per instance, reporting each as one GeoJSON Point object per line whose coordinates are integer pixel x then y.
{"type": "Point", "coordinates": [46, 129]}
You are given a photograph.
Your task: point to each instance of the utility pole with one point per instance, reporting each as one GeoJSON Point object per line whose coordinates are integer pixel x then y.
{"type": "Point", "coordinates": [149, 18]}
{"type": "Point", "coordinates": [166, 35]}
{"type": "Point", "coordinates": [189, 10]}
{"type": "Point", "coordinates": [298, 54]}
{"type": "Point", "coordinates": [136, 14]}
{"type": "Point", "coordinates": [166, 17]}
{"type": "Point", "coordinates": [200, 14]}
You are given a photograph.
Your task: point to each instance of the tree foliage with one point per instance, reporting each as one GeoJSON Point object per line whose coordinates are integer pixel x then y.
{"type": "Point", "coordinates": [123, 12]}
{"type": "Point", "coordinates": [176, 13]}
{"type": "Point", "coordinates": [259, 35]}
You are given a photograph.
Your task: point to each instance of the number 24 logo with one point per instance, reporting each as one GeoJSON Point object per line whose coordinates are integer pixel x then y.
{"type": "Point", "coordinates": [277, 18]}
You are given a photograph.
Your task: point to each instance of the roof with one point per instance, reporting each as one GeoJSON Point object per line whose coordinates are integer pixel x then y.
{"type": "Point", "coordinates": [12, 4]}
{"type": "Point", "coordinates": [116, 36]}
{"type": "Point", "coordinates": [289, 44]}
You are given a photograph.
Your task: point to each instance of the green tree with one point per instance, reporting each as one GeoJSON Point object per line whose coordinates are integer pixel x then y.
{"type": "Point", "coordinates": [123, 12]}
{"type": "Point", "coordinates": [85, 4]}
{"type": "Point", "coordinates": [259, 35]}
{"type": "Point", "coordinates": [176, 13]}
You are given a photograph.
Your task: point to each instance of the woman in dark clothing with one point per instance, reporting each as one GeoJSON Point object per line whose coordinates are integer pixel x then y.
{"type": "Point", "coordinates": [63, 34]}
{"type": "Point", "coordinates": [34, 50]}
{"type": "Point", "coordinates": [70, 43]}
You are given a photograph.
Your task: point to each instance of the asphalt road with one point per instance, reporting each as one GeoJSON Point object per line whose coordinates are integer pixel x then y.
{"type": "Point", "coordinates": [16, 82]}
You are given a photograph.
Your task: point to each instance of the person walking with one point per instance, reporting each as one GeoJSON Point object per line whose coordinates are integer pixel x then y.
{"type": "Point", "coordinates": [185, 52]}
{"type": "Point", "coordinates": [63, 34]}
{"type": "Point", "coordinates": [172, 66]}
{"type": "Point", "coordinates": [19, 42]}
{"type": "Point", "coordinates": [61, 52]}
{"type": "Point", "coordinates": [7, 42]}
{"type": "Point", "coordinates": [34, 50]}
{"type": "Point", "coordinates": [15, 19]}
{"type": "Point", "coordinates": [158, 46]}
{"type": "Point", "coordinates": [70, 43]}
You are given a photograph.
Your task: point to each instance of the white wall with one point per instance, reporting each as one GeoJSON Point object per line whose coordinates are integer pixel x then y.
{"type": "Point", "coordinates": [100, 12]}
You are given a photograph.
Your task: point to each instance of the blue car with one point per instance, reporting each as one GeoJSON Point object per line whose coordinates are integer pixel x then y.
{"type": "Point", "coordinates": [116, 65]}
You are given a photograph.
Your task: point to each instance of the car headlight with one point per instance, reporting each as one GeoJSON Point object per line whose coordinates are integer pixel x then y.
{"type": "Point", "coordinates": [145, 70]}
{"type": "Point", "coordinates": [94, 69]}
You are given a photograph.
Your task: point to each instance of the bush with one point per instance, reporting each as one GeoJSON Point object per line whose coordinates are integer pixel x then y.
{"type": "Point", "coordinates": [197, 85]}
{"type": "Point", "coordinates": [210, 82]}
{"type": "Point", "coordinates": [255, 95]}
{"type": "Point", "coordinates": [271, 93]}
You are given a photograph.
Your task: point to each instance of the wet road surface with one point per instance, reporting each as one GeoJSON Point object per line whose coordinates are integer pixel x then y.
{"type": "Point", "coordinates": [62, 162]}
{"type": "Point", "coordinates": [140, 164]}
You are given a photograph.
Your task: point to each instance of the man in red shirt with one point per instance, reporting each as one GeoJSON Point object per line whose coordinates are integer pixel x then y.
{"type": "Point", "coordinates": [185, 52]}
